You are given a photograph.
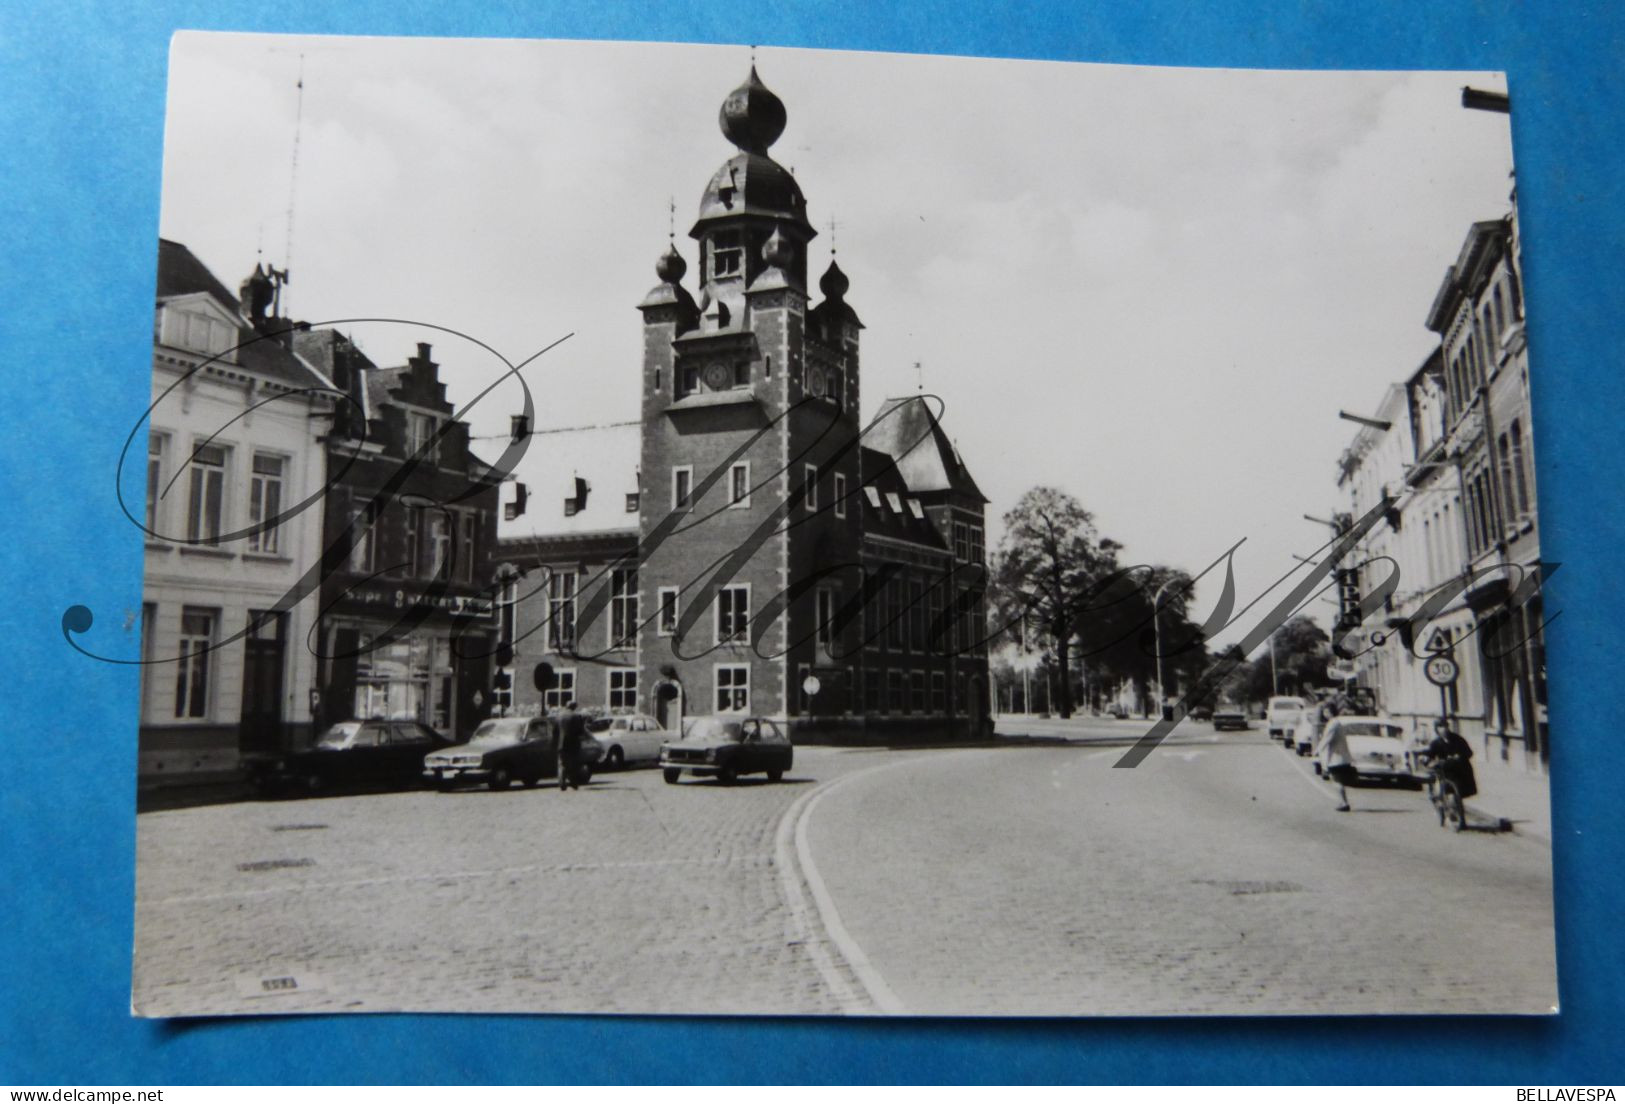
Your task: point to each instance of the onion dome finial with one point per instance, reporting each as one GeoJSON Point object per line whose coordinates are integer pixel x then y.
{"type": "Point", "coordinates": [671, 267]}
{"type": "Point", "coordinates": [833, 283]}
{"type": "Point", "coordinates": [752, 117]}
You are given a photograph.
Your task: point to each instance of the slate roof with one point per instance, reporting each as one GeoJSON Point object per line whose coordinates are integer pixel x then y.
{"type": "Point", "coordinates": [884, 499]}
{"type": "Point", "coordinates": [181, 273]}
{"type": "Point", "coordinates": [606, 456]}
{"type": "Point", "coordinates": [907, 429]}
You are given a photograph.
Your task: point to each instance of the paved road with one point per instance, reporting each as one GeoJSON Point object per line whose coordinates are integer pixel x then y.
{"type": "Point", "coordinates": [1215, 877]}
{"type": "Point", "coordinates": [1018, 879]}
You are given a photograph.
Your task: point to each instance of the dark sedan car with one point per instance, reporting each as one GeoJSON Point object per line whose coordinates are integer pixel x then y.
{"type": "Point", "coordinates": [505, 750]}
{"type": "Point", "coordinates": [352, 753]}
{"type": "Point", "coordinates": [726, 748]}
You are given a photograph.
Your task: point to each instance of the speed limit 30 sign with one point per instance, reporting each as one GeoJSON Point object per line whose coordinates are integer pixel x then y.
{"type": "Point", "coordinates": [1440, 670]}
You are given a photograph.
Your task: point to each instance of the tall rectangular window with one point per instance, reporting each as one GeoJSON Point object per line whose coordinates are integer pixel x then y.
{"type": "Point", "coordinates": [623, 607]}
{"type": "Point", "coordinates": [973, 535]}
{"type": "Point", "coordinates": [939, 692]}
{"type": "Point", "coordinates": [896, 692]}
{"type": "Point", "coordinates": [561, 611]}
{"type": "Point", "coordinates": [961, 541]}
{"type": "Point", "coordinates": [733, 688]}
{"type": "Point", "coordinates": [916, 617]}
{"type": "Point", "coordinates": [435, 547]}
{"type": "Point", "coordinates": [727, 255]}
{"type": "Point", "coordinates": [623, 689]}
{"type": "Point", "coordinates": [739, 485]}
{"type": "Point", "coordinates": [419, 431]}
{"type": "Point", "coordinates": [667, 624]}
{"type": "Point", "coordinates": [809, 489]}
{"type": "Point", "coordinates": [207, 506]}
{"type": "Point", "coordinates": [826, 618]}
{"type": "Point", "coordinates": [157, 444]}
{"type": "Point", "coordinates": [1519, 471]}
{"type": "Point", "coordinates": [682, 488]}
{"type": "Point", "coordinates": [411, 527]}
{"type": "Point", "coordinates": [363, 527]}
{"type": "Point", "coordinates": [840, 495]}
{"type": "Point", "coordinates": [894, 614]}
{"type": "Point", "coordinates": [264, 503]}
{"type": "Point", "coordinates": [193, 669]}
{"type": "Point", "coordinates": [733, 612]}
{"type": "Point", "coordinates": [916, 691]}
{"type": "Point", "coordinates": [470, 549]}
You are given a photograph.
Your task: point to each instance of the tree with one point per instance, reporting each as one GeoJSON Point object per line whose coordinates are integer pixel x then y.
{"type": "Point", "coordinates": [1049, 556]}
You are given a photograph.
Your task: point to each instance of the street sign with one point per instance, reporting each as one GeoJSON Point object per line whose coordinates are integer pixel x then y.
{"type": "Point", "coordinates": [810, 685]}
{"type": "Point", "coordinates": [1440, 670]}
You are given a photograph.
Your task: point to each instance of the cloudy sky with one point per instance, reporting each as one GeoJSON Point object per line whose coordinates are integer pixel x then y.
{"type": "Point", "coordinates": [1152, 288]}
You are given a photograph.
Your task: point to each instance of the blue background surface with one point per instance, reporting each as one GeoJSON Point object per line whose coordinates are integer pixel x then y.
{"type": "Point", "coordinates": [81, 121]}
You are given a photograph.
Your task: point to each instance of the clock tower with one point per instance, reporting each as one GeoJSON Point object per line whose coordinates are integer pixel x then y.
{"type": "Point", "coordinates": [749, 530]}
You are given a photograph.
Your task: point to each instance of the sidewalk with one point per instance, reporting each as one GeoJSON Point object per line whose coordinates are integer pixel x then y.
{"type": "Point", "coordinates": [1524, 798]}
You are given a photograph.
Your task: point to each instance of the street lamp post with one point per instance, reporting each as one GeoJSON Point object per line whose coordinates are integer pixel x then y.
{"type": "Point", "coordinates": [1156, 626]}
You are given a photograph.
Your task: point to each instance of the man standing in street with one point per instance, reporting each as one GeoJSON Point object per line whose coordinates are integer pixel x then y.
{"type": "Point", "coordinates": [572, 728]}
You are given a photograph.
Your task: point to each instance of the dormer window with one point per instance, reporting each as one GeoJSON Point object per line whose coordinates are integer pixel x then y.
{"type": "Point", "coordinates": [727, 255]}
{"type": "Point", "coordinates": [195, 323]}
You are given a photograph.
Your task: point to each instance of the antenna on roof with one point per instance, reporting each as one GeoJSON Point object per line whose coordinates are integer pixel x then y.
{"type": "Point", "coordinates": [671, 219]}
{"type": "Point", "coordinates": [919, 378]}
{"type": "Point", "coordinates": [832, 236]}
{"type": "Point", "coordinates": [293, 167]}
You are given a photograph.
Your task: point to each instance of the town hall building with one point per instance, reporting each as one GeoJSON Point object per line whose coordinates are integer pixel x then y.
{"type": "Point", "coordinates": [748, 545]}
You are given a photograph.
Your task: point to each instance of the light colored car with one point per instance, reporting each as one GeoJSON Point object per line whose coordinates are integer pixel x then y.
{"type": "Point", "coordinates": [628, 739]}
{"type": "Point", "coordinates": [1280, 713]}
{"type": "Point", "coordinates": [1378, 750]}
{"type": "Point", "coordinates": [1229, 715]}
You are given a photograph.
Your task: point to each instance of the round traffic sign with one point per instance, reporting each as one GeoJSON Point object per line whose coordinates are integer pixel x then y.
{"type": "Point", "coordinates": [810, 685]}
{"type": "Point", "coordinates": [1440, 670]}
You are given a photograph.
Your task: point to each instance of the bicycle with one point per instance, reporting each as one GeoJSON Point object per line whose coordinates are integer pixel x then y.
{"type": "Point", "coordinates": [1445, 797]}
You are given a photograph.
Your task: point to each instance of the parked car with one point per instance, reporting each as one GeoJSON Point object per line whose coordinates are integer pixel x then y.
{"type": "Point", "coordinates": [629, 739]}
{"type": "Point", "coordinates": [352, 753]}
{"type": "Point", "coordinates": [503, 750]}
{"type": "Point", "coordinates": [1201, 713]}
{"type": "Point", "coordinates": [1378, 750]}
{"type": "Point", "coordinates": [1117, 710]}
{"type": "Point", "coordinates": [1280, 713]}
{"type": "Point", "coordinates": [726, 748]}
{"type": "Point", "coordinates": [1229, 715]}
{"type": "Point", "coordinates": [1303, 731]}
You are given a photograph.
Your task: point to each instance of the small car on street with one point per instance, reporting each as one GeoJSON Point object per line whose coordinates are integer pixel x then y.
{"type": "Point", "coordinates": [502, 751]}
{"type": "Point", "coordinates": [1378, 749]}
{"type": "Point", "coordinates": [727, 747]}
{"type": "Point", "coordinates": [351, 753]}
{"type": "Point", "coordinates": [1280, 713]}
{"type": "Point", "coordinates": [1229, 715]}
{"type": "Point", "coordinates": [629, 739]}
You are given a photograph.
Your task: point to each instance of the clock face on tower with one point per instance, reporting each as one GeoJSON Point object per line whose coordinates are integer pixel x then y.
{"type": "Point", "coordinates": [717, 377]}
{"type": "Point", "coordinates": [815, 383]}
